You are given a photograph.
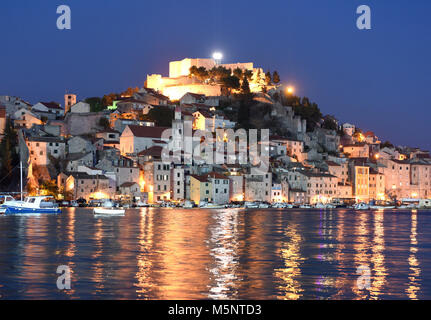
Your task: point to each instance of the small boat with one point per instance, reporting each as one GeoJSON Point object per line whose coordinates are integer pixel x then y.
{"type": "Point", "coordinates": [6, 200]}
{"type": "Point", "coordinates": [381, 205]}
{"type": "Point", "coordinates": [424, 204]}
{"type": "Point", "coordinates": [251, 205]}
{"type": "Point", "coordinates": [108, 208]}
{"type": "Point", "coordinates": [305, 206]}
{"type": "Point", "coordinates": [206, 205]}
{"type": "Point", "coordinates": [109, 211]}
{"type": "Point", "coordinates": [377, 207]}
{"type": "Point", "coordinates": [320, 205]}
{"type": "Point", "coordinates": [361, 206]}
{"type": "Point", "coordinates": [32, 205]}
{"type": "Point", "coordinates": [141, 204]}
{"type": "Point", "coordinates": [188, 204]}
{"type": "Point", "coordinates": [264, 205]}
{"type": "Point", "coordinates": [282, 205]}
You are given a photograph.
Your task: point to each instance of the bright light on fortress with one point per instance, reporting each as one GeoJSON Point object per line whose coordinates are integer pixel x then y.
{"type": "Point", "coordinates": [217, 56]}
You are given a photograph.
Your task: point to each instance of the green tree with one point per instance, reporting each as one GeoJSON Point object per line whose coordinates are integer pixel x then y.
{"type": "Point", "coordinates": [96, 104]}
{"type": "Point", "coordinates": [230, 83]}
{"type": "Point", "coordinates": [237, 72]}
{"type": "Point", "coordinates": [130, 91]}
{"type": "Point", "coordinates": [201, 73]}
{"type": "Point", "coordinates": [104, 123]}
{"type": "Point", "coordinates": [244, 115]}
{"type": "Point", "coordinates": [329, 124]}
{"type": "Point", "coordinates": [386, 144]}
{"type": "Point", "coordinates": [275, 77]}
{"type": "Point", "coordinates": [268, 78]}
{"type": "Point", "coordinates": [161, 115]}
{"type": "Point", "coordinates": [245, 86]}
{"type": "Point", "coordinates": [248, 74]}
{"type": "Point", "coordinates": [9, 157]}
{"type": "Point", "coordinates": [108, 99]}
{"type": "Point", "coordinates": [49, 188]}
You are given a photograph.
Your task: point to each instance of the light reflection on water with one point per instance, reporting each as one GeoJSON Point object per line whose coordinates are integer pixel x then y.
{"type": "Point", "coordinates": [217, 254]}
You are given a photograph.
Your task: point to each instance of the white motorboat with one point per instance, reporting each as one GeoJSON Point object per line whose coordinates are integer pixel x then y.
{"type": "Point", "coordinates": [31, 205]}
{"type": "Point", "coordinates": [381, 207]}
{"type": "Point", "coordinates": [6, 200]}
{"type": "Point", "coordinates": [282, 205]}
{"type": "Point", "coordinates": [361, 206]}
{"type": "Point", "coordinates": [141, 204]}
{"type": "Point", "coordinates": [263, 205]}
{"type": "Point", "coordinates": [188, 204]}
{"type": "Point", "coordinates": [251, 205]}
{"type": "Point", "coordinates": [424, 204]}
{"type": "Point", "coordinates": [109, 211]}
{"type": "Point", "coordinates": [305, 206]}
{"type": "Point", "coordinates": [206, 205]}
{"type": "Point", "coordinates": [320, 205]}
{"type": "Point", "coordinates": [108, 208]}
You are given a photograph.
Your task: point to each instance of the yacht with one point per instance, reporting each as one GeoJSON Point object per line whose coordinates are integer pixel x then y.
{"type": "Point", "coordinates": [31, 205]}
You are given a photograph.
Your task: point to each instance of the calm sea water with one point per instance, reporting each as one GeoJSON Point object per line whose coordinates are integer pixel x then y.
{"type": "Point", "coordinates": [217, 254]}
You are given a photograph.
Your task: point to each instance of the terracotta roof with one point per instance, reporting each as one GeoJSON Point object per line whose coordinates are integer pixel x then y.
{"type": "Point", "coordinates": [205, 113]}
{"type": "Point", "coordinates": [216, 175]}
{"type": "Point", "coordinates": [362, 144]}
{"type": "Point", "coordinates": [2, 111]}
{"type": "Point", "coordinates": [155, 151]}
{"type": "Point", "coordinates": [317, 174]}
{"type": "Point", "coordinates": [200, 178]}
{"type": "Point", "coordinates": [46, 139]}
{"type": "Point", "coordinates": [52, 105]}
{"type": "Point", "coordinates": [195, 95]}
{"type": "Point", "coordinates": [147, 132]}
{"type": "Point", "coordinates": [423, 155]}
{"type": "Point", "coordinates": [86, 176]}
{"type": "Point", "coordinates": [127, 184]}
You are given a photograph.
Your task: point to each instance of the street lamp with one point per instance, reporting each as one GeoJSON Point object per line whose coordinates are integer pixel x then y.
{"type": "Point", "coordinates": [217, 56]}
{"type": "Point", "coordinates": [290, 90]}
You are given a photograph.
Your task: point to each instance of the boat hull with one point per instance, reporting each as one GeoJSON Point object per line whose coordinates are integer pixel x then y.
{"type": "Point", "coordinates": [21, 210]}
{"type": "Point", "coordinates": [109, 211]}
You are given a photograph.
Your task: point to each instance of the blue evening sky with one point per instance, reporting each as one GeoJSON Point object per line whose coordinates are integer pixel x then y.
{"type": "Point", "coordinates": [377, 79]}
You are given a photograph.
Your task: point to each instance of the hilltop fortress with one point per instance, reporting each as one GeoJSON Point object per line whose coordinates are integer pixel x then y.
{"type": "Point", "coordinates": [179, 81]}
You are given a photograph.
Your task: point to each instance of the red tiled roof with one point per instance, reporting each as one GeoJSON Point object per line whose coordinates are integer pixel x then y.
{"type": "Point", "coordinates": [154, 151]}
{"type": "Point", "coordinates": [200, 178]}
{"type": "Point", "coordinates": [216, 175]}
{"type": "Point", "coordinates": [127, 184]}
{"type": "Point", "coordinates": [195, 95]}
{"type": "Point", "coordinates": [51, 105]}
{"type": "Point", "coordinates": [147, 132]}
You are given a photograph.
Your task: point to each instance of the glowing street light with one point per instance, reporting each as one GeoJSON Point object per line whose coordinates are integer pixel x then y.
{"type": "Point", "coordinates": [290, 90]}
{"type": "Point", "coordinates": [217, 56]}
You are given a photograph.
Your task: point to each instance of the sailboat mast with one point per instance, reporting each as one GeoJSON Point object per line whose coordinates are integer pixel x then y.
{"type": "Point", "coordinates": [20, 173]}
